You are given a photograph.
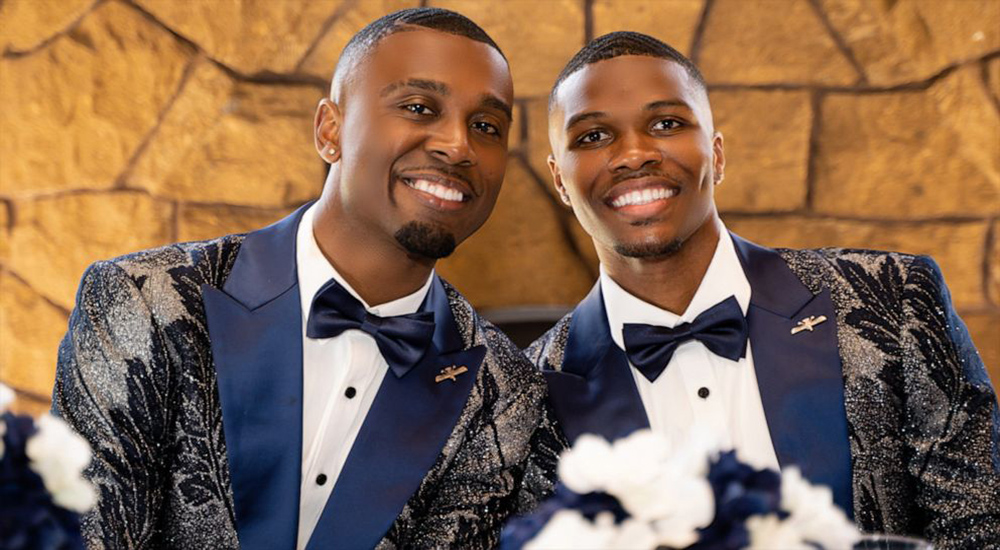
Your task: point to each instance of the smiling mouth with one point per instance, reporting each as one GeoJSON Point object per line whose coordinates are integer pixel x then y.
{"type": "Point", "coordinates": [641, 197]}
{"type": "Point", "coordinates": [440, 189]}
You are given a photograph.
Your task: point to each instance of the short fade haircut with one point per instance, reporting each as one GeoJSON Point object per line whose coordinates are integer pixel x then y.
{"type": "Point", "coordinates": [616, 44]}
{"type": "Point", "coordinates": [365, 41]}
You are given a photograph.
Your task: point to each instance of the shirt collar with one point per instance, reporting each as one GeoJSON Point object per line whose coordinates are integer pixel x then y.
{"type": "Point", "coordinates": [314, 270]}
{"type": "Point", "coordinates": [724, 278]}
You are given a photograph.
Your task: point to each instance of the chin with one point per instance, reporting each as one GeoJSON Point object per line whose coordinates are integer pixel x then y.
{"type": "Point", "coordinates": [426, 240]}
{"type": "Point", "coordinates": [649, 249]}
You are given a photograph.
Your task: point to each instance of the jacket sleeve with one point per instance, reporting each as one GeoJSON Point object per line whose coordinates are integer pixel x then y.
{"type": "Point", "coordinates": [111, 388]}
{"type": "Point", "coordinates": [956, 454]}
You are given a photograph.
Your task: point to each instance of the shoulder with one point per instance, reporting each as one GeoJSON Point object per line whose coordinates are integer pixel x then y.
{"type": "Point", "coordinates": [547, 352]}
{"type": "Point", "coordinates": [857, 269]}
{"type": "Point", "coordinates": [162, 278]}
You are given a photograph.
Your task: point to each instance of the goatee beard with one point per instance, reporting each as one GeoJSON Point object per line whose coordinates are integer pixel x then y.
{"type": "Point", "coordinates": [654, 250]}
{"type": "Point", "coordinates": [426, 240]}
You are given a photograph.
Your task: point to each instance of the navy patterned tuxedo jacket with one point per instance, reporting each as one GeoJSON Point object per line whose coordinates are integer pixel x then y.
{"type": "Point", "coordinates": [887, 403]}
{"type": "Point", "coordinates": [183, 369]}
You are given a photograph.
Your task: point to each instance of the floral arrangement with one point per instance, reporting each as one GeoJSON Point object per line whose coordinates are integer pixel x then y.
{"type": "Point", "coordinates": [42, 491]}
{"type": "Point", "coordinates": [643, 492]}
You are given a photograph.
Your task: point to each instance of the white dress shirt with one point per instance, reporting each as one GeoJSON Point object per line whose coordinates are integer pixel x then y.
{"type": "Point", "coordinates": [700, 390]}
{"type": "Point", "coordinates": [340, 377]}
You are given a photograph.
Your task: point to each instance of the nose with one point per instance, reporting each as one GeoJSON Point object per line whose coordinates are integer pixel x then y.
{"type": "Point", "coordinates": [634, 153]}
{"type": "Point", "coordinates": [449, 143]}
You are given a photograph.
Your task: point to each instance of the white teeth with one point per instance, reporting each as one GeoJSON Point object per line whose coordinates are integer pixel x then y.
{"type": "Point", "coordinates": [643, 196]}
{"type": "Point", "coordinates": [438, 190]}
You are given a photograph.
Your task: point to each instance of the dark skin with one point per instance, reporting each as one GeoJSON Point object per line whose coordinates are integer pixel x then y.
{"type": "Point", "coordinates": [425, 109]}
{"type": "Point", "coordinates": [636, 155]}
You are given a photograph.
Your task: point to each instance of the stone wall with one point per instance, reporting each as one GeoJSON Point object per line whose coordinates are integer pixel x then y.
{"type": "Point", "coordinates": [130, 124]}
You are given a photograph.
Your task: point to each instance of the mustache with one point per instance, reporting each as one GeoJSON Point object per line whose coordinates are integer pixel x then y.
{"type": "Point", "coordinates": [645, 173]}
{"type": "Point", "coordinates": [442, 169]}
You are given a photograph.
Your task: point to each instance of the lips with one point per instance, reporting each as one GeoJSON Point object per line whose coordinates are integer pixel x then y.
{"type": "Point", "coordinates": [640, 197]}
{"type": "Point", "coordinates": [641, 192]}
{"type": "Point", "coordinates": [443, 188]}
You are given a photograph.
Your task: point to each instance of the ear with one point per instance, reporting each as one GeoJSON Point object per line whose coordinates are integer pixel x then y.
{"type": "Point", "coordinates": [557, 181]}
{"type": "Point", "coordinates": [719, 158]}
{"type": "Point", "coordinates": [327, 130]}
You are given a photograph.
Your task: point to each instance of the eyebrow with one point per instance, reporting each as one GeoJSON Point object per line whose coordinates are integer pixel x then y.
{"type": "Point", "coordinates": [665, 103]}
{"type": "Point", "coordinates": [423, 84]}
{"type": "Point", "coordinates": [578, 118]}
{"type": "Point", "coordinates": [494, 102]}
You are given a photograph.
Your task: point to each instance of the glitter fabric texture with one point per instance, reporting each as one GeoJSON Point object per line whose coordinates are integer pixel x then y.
{"type": "Point", "coordinates": [136, 377]}
{"type": "Point", "coordinates": [923, 421]}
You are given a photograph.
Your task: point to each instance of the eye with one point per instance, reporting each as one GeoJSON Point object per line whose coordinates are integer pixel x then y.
{"type": "Point", "coordinates": [486, 128]}
{"type": "Point", "coordinates": [667, 124]}
{"type": "Point", "coordinates": [418, 109]}
{"type": "Point", "coordinates": [592, 137]}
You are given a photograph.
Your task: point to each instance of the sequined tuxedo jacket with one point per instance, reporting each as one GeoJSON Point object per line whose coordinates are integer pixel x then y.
{"type": "Point", "coordinates": [182, 367]}
{"type": "Point", "coordinates": [887, 402]}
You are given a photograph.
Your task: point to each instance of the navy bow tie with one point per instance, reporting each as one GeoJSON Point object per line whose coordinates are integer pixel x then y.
{"type": "Point", "coordinates": [722, 328]}
{"type": "Point", "coordinates": [402, 339]}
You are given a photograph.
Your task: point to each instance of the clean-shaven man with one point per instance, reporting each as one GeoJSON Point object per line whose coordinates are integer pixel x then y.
{"type": "Point", "coordinates": [314, 384]}
{"type": "Point", "coordinates": [850, 364]}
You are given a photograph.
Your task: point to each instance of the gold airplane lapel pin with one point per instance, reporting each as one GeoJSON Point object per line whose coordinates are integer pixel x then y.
{"type": "Point", "coordinates": [809, 323]}
{"type": "Point", "coordinates": [450, 373]}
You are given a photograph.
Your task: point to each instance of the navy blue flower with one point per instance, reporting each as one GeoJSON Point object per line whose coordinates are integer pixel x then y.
{"type": "Point", "coordinates": [740, 492]}
{"type": "Point", "coordinates": [522, 529]}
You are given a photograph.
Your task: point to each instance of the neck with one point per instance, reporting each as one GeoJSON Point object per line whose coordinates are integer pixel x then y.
{"type": "Point", "coordinates": [668, 282]}
{"type": "Point", "coordinates": [375, 265]}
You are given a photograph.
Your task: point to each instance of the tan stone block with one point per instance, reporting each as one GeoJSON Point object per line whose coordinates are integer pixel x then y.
{"type": "Point", "coordinates": [910, 153]}
{"type": "Point", "coordinates": [199, 222]}
{"type": "Point", "coordinates": [235, 143]}
{"type": "Point", "coordinates": [56, 238]}
{"type": "Point", "coordinates": [672, 21]}
{"type": "Point", "coordinates": [911, 40]}
{"type": "Point", "coordinates": [28, 23]}
{"type": "Point", "coordinates": [957, 247]}
{"type": "Point", "coordinates": [322, 60]}
{"type": "Point", "coordinates": [993, 269]}
{"type": "Point", "coordinates": [514, 137]}
{"type": "Point", "coordinates": [82, 105]}
{"type": "Point", "coordinates": [30, 330]}
{"type": "Point", "coordinates": [747, 43]}
{"type": "Point", "coordinates": [584, 243]}
{"type": "Point", "coordinates": [984, 327]}
{"type": "Point", "coordinates": [251, 36]}
{"type": "Point", "coordinates": [4, 231]}
{"type": "Point", "coordinates": [992, 76]}
{"type": "Point", "coordinates": [538, 38]}
{"type": "Point", "coordinates": [766, 139]}
{"type": "Point", "coordinates": [521, 255]}
{"type": "Point", "coordinates": [538, 147]}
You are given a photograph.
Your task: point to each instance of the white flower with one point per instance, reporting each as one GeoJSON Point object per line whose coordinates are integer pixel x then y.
{"type": "Point", "coordinates": [59, 456]}
{"type": "Point", "coordinates": [632, 534]}
{"type": "Point", "coordinates": [6, 397]}
{"type": "Point", "coordinates": [569, 529]}
{"type": "Point", "coordinates": [769, 532]}
{"type": "Point", "coordinates": [813, 512]}
{"type": "Point", "coordinates": [656, 482]}
{"type": "Point", "coordinates": [586, 466]}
